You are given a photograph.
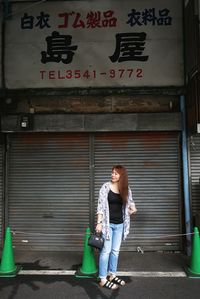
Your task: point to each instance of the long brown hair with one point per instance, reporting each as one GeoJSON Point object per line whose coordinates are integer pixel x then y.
{"type": "Point", "coordinates": [123, 181]}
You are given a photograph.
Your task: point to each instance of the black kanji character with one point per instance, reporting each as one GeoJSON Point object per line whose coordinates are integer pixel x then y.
{"type": "Point", "coordinates": [164, 18]}
{"type": "Point", "coordinates": [129, 46]}
{"type": "Point", "coordinates": [58, 49]}
{"type": "Point", "coordinates": [134, 18]}
{"type": "Point", "coordinates": [27, 21]}
{"type": "Point", "coordinates": [42, 20]}
{"type": "Point", "coordinates": [148, 16]}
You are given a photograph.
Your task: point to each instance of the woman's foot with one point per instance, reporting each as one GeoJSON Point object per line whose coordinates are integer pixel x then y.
{"type": "Point", "coordinates": [104, 283]}
{"type": "Point", "coordinates": [116, 280]}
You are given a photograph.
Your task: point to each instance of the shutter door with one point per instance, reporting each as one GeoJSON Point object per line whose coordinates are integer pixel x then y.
{"type": "Point", "coordinates": [152, 163]}
{"type": "Point", "coordinates": [195, 172]}
{"type": "Point", "coordinates": [1, 191]}
{"type": "Point", "coordinates": [49, 190]}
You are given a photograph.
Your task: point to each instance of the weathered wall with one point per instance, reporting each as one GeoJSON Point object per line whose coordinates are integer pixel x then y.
{"type": "Point", "coordinates": [91, 104]}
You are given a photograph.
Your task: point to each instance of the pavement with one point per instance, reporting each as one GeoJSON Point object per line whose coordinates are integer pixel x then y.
{"type": "Point", "coordinates": [128, 261]}
{"type": "Point", "coordinates": [150, 275]}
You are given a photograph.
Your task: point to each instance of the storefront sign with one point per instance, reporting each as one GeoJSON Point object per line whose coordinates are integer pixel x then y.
{"type": "Point", "coordinates": [114, 43]}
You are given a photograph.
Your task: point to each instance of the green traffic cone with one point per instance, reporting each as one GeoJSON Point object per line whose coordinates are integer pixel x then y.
{"type": "Point", "coordinates": [8, 267]}
{"type": "Point", "coordinates": [88, 268]}
{"type": "Point", "coordinates": [194, 269]}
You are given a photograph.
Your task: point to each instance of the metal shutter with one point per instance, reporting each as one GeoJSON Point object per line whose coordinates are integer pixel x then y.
{"type": "Point", "coordinates": [48, 190]}
{"type": "Point", "coordinates": [152, 163]}
{"type": "Point", "coordinates": [51, 183]}
{"type": "Point", "coordinates": [195, 172]}
{"type": "Point", "coordinates": [1, 191]}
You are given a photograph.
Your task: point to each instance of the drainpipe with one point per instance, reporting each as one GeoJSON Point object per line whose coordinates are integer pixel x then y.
{"type": "Point", "coordinates": [6, 8]}
{"type": "Point", "coordinates": [186, 178]}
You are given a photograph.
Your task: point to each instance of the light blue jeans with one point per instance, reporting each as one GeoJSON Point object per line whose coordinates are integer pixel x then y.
{"type": "Point", "coordinates": [108, 259]}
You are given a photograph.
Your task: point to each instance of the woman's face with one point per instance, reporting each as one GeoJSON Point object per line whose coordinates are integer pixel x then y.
{"type": "Point", "coordinates": [115, 176]}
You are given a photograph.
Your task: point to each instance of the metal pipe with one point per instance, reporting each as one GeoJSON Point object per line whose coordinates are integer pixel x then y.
{"type": "Point", "coordinates": [6, 8]}
{"type": "Point", "coordinates": [186, 178]}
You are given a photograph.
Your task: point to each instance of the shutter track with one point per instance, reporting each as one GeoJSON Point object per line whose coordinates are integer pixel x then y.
{"type": "Point", "coordinates": [1, 191]}
{"type": "Point", "coordinates": [195, 173]}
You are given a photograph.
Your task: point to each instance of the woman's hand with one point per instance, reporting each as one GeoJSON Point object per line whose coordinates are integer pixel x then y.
{"type": "Point", "coordinates": [132, 209]}
{"type": "Point", "coordinates": [99, 228]}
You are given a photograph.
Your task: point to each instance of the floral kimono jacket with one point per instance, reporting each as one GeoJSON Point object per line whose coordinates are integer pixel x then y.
{"type": "Point", "coordinates": [103, 208]}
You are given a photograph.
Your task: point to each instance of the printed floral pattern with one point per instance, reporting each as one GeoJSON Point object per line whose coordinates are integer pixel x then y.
{"type": "Point", "coordinates": [103, 208]}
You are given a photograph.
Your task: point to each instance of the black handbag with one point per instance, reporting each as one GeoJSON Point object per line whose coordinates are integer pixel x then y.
{"type": "Point", "coordinates": [96, 240]}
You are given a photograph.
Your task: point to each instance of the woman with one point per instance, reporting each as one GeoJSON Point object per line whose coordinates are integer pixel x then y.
{"type": "Point", "coordinates": [115, 205]}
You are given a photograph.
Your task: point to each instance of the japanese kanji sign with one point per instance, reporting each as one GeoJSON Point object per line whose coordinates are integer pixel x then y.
{"type": "Point", "coordinates": [107, 44]}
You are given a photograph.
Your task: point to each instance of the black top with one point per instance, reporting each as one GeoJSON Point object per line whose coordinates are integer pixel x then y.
{"type": "Point", "coordinates": [115, 207]}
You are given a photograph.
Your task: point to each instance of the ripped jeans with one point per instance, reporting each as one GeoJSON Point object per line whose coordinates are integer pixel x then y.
{"type": "Point", "coordinates": [108, 259]}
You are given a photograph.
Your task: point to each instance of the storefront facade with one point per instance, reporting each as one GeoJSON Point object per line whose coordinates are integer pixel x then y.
{"type": "Point", "coordinates": [53, 183]}
{"type": "Point", "coordinates": [65, 123]}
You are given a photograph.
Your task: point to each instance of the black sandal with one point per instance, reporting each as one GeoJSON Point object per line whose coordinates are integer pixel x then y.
{"type": "Point", "coordinates": [118, 281]}
{"type": "Point", "coordinates": [109, 285]}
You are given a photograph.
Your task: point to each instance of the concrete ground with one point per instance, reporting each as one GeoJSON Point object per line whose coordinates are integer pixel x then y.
{"type": "Point", "coordinates": [128, 261]}
{"type": "Point", "coordinates": [148, 276]}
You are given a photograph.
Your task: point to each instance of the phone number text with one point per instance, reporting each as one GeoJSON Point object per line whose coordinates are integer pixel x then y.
{"type": "Point", "coordinates": [91, 74]}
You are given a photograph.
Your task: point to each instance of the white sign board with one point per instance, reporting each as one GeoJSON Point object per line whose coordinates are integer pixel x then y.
{"type": "Point", "coordinates": [98, 43]}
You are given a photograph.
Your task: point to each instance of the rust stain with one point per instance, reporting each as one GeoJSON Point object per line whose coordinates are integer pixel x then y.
{"type": "Point", "coordinates": [149, 164]}
{"type": "Point", "coordinates": [65, 139]}
{"type": "Point", "coordinates": [116, 140]}
{"type": "Point", "coordinates": [158, 137]}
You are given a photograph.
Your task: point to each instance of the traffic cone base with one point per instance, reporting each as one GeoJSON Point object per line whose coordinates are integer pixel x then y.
{"type": "Point", "coordinates": [7, 266]}
{"type": "Point", "coordinates": [80, 274]}
{"type": "Point", "coordinates": [88, 268]}
{"type": "Point", "coordinates": [191, 274]}
{"type": "Point", "coordinates": [11, 274]}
